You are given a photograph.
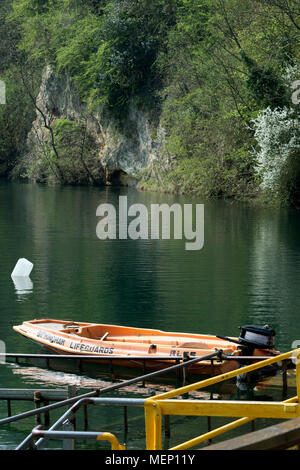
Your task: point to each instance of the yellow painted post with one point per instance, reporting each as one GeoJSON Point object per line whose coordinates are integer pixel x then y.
{"type": "Point", "coordinates": [153, 425]}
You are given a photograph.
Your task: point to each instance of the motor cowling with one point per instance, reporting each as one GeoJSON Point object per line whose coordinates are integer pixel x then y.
{"type": "Point", "coordinates": [257, 337]}
{"type": "Point", "coordinates": [253, 338]}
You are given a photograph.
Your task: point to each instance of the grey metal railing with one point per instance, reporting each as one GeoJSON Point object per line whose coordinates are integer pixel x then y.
{"type": "Point", "coordinates": [84, 399]}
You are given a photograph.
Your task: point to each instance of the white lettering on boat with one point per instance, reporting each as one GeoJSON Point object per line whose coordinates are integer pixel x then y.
{"type": "Point", "coordinates": [50, 338]}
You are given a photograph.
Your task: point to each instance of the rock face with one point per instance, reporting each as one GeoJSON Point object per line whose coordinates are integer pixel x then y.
{"type": "Point", "coordinates": [128, 151]}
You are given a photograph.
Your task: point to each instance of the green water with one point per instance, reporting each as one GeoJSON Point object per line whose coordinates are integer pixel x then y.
{"type": "Point", "coordinates": [247, 272]}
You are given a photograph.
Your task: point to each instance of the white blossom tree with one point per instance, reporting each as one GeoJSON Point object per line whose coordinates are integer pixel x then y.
{"type": "Point", "coordinates": [277, 132]}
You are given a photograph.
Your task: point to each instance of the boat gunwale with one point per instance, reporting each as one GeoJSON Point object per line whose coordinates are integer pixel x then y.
{"type": "Point", "coordinates": [157, 332]}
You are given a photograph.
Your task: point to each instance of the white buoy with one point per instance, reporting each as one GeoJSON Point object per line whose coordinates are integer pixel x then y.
{"type": "Point", "coordinates": [23, 268]}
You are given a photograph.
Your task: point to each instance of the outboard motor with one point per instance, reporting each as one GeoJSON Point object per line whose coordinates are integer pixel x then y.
{"type": "Point", "coordinates": [251, 338]}
{"type": "Point", "coordinates": [256, 337]}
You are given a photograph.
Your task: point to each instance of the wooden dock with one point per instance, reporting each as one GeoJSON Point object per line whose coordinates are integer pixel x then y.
{"type": "Point", "coordinates": [40, 397]}
{"type": "Point", "coordinates": [29, 394]}
{"type": "Point", "coordinates": [278, 437]}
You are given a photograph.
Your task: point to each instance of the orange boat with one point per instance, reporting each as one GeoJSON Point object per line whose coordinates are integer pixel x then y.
{"type": "Point", "coordinates": [112, 341]}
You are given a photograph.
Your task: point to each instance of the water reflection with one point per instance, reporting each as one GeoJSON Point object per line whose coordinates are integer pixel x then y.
{"type": "Point", "coordinates": [50, 378]}
{"type": "Point", "coordinates": [274, 263]}
{"type": "Point", "coordinates": [23, 287]}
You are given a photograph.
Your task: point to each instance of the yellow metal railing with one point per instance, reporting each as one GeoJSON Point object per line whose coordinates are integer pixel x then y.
{"type": "Point", "coordinates": [107, 436]}
{"type": "Point", "coordinates": [165, 404]}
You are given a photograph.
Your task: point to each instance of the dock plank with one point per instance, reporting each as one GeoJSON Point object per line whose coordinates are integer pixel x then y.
{"type": "Point", "coordinates": [28, 394]}
{"type": "Point", "coordinates": [280, 436]}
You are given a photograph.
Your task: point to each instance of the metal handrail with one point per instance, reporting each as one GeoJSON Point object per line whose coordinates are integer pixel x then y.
{"type": "Point", "coordinates": [154, 405]}
{"type": "Point", "coordinates": [77, 401]}
{"type": "Point", "coordinates": [157, 406]}
{"type": "Point", "coordinates": [226, 376]}
{"type": "Point", "coordinates": [219, 431]}
{"type": "Point", "coordinates": [135, 380]}
{"type": "Point", "coordinates": [94, 356]}
{"type": "Point", "coordinates": [110, 357]}
{"type": "Point", "coordinates": [99, 436]}
{"type": "Point", "coordinates": [74, 409]}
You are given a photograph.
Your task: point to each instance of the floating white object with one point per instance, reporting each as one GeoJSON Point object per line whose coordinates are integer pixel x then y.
{"type": "Point", "coordinates": [23, 268]}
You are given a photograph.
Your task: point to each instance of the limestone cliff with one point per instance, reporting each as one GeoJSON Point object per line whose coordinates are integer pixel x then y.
{"type": "Point", "coordinates": [129, 150]}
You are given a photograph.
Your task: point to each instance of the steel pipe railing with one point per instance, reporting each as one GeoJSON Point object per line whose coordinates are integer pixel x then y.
{"type": "Point", "coordinates": [111, 388]}
{"type": "Point", "coordinates": [155, 403]}
{"type": "Point", "coordinates": [74, 409]}
{"type": "Point", "coordinates": [77, 401]}
{"type": "Point", "coordinates": [99, 436]}
{"type": "Point", "coordinates": [123, 358]}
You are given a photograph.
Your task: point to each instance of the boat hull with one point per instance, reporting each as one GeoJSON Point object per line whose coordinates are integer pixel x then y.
{"type": "Point", "coordinates": [139, 348]}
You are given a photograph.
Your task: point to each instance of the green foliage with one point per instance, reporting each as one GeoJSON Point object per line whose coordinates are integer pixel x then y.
{"type": "Point", "coordinates": [78, 159]}
{"type": "Point", "coordinates": [109, 49]}
{"type": "Point", "coordinates": [211, 177]}
{"type": "Point", "coordinates": [265, 85]}
{"type": "Point", "coordinates": [206, 67]}
{"type": "Point", "coordinates": [18, 113]}
{"type": "Point", "coordinates": [225, 61]}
